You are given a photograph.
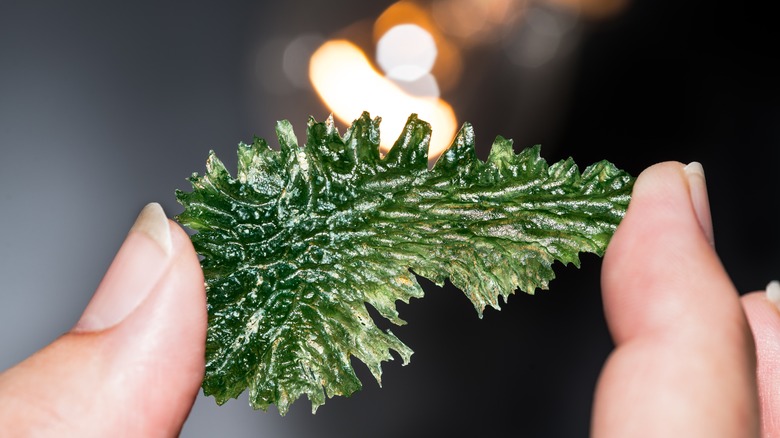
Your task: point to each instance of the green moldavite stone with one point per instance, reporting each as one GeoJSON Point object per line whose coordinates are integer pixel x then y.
{"type": "Point", "coordinates": [302, 238]}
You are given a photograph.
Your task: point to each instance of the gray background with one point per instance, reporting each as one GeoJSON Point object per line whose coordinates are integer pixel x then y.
{"type": "Point", "coordinates": [105, 106]}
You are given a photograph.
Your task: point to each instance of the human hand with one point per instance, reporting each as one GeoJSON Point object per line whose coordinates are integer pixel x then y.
{"type": "Point", "coordinates": [685, 359]}
{"type": "Point", "coordinates": [684, 363]}
{"type": "Point", "coordinates": [134, 362]}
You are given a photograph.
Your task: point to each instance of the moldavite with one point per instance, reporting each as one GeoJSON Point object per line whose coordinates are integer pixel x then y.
{"type": "Point", "coordinates": [298, 243]}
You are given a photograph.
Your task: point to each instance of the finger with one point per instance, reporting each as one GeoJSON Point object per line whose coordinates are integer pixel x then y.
{"type": "Point", "coordinates": [135, 360]}
{"type": "Point", "coordinates": [684, 362]}
{"type": "Point", "coordinates": [764, 319]}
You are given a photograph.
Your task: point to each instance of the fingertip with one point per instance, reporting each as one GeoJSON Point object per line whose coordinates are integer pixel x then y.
{"type": "Point", "coordinates": [141, 261]}
{"type": "Point", "coordinates": [660, 260]}
{"type": "Point", "coordinates": [135, 361]}
{"type": "Point", "coordinates": [760, 304]}
{"type": "Point", "coordinates": [159, 349]}
{"type": "Point", "coordinates": [660, 177]}
{"type": "Point", "coordinates": [764, 319]}
{"type": "Point", "coordinates": [154, 224]}
{"type": "Point", "coordinates": [184, 250]}
{"type": "Point", "coordinates": [684, 361]}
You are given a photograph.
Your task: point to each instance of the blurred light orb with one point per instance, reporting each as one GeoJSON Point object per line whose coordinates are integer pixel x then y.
{"type": "Point", "coordinates": [476, 22]}
{"type": "Point", "coordinates": [539, 41]}
{"type": "Point", "coordinates": [543, 36]}
{"type": "Point", "coordinates": [347, 83]}
{"type": "Point", "coordinates": [463, 18]}
{"type": "Point", "coordinates": [295, 59]}
{"type": "Point", "coordinates": [403, 12]}
{"type": "Point", "coordinates": [424, 86]}
{"type": "Point", "coordinates": [406, 52]}
{"type": "Point", "coordinates": [449, 63]}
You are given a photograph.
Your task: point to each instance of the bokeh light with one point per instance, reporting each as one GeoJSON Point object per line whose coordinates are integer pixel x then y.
{"type": "Point", "coordinates": [448, 66]}
{"type": "Point", "coordinates": [542, 37]}
{"type": "Point", "coordinates": [406, 52]}
{"type": "Point", "coordinates": [475, 22]}
{"type": "Point", "coordinates": [594, 9]}
{"type": "Point", "coordinates": [348, 84]}
{"type": "Point", "coordinates": [295, 59]}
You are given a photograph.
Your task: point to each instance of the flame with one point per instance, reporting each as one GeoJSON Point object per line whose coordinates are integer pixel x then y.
{"type": "Point", "coordinates": [348, 84]}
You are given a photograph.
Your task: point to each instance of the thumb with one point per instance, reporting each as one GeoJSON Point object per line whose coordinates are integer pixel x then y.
{"type": "Point", "coordinates": [133, 363]}
{"type": "Point", "coordinates": [684, 359]}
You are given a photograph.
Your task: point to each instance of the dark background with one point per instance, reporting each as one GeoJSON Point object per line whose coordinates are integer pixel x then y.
{"type": "Point", "coordinates": [105, 106]}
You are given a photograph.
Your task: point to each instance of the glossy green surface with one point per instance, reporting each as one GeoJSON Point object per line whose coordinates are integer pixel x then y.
{"type": "Point", "coordinates": [296, 245]}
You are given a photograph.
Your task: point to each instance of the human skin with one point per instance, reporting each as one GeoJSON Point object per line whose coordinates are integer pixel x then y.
{"type": "Point", "coordinates": [133, 364]}
{"type": "Point", "coordinates": [692, 358]}
{"type": "Point", "coordinates": [685, 361]}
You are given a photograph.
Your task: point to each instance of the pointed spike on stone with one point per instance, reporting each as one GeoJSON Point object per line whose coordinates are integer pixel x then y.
{"type": "Point", "coordinates": [330, 126]}
{"type": "Point", "coordinates": [411, 148]}
{"type": "Point", "coordinates": [501, 153]}
{"type": "Point", "coordinates": [363, 137]}
{"type": "Point", "coordinates": [461, 151]}
{"type": "Point", "coordinates": [214, 165]}
{"type": "Point", "coordinates": [286, 135]}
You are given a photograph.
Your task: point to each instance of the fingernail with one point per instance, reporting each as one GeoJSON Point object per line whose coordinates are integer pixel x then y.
{"type": "Point", "coordinates": [153, 222]}
{"type": "Point", "coordinates": [139, 264]}
{"type": "Point", "coordinates": [773, 293]}
{"type": "Point", "coordinates": [697, 184]}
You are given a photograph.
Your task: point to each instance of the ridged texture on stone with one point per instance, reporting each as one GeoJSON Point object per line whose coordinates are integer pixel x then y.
{"type": "Point", "coordinates": [302, 238]}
